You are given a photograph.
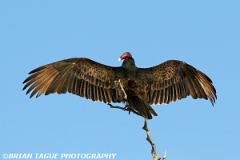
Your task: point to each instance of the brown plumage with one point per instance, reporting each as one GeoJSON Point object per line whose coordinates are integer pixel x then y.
{"type": "Point", "coordinates": [137, 87]}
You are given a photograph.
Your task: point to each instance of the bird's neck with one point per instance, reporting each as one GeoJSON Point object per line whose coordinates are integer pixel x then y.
{"type": "Point", "coordinates": [129, 64]}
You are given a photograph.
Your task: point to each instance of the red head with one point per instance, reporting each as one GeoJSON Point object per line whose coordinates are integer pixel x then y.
{"type": "Point", "coordinates": [125, 55]}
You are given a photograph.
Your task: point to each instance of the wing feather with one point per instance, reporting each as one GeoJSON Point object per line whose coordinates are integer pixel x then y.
{"type": "Point", "coordinates": [80, 76]}
{"type": "Point", "coordinates": [173, 80]}
{"type": "Point", "coordinates": [173, 93]}
{"type": "Point", "coordinates": [170, 94]}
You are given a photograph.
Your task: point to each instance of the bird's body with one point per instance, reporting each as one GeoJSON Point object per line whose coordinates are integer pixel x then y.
{"type": "Point", "coordinates": [137, 87]}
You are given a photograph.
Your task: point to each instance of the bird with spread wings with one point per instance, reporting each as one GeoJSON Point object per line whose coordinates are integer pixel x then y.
{"type": "Point", "coordinates": [137, 88]}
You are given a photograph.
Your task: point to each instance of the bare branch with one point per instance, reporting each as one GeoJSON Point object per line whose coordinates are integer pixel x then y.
{"type": "Point", "coordinates": [149, 139]}
{"type": "Point", "coordinates": [121, 86]}
{"type": "Point", "coordinates": [126, 108]}
{"type": "Point", "coordinates": [118, 107]}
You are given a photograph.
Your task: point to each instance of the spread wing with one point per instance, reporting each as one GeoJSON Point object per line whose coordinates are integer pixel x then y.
{"type": "Point", "coordinates": [80, 76]}
{"type": "Point", "coordinates": [173, 80]}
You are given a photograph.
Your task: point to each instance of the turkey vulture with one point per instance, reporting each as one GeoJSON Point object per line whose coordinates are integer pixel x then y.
{"type": "Point", "coordinates": [137, 88]}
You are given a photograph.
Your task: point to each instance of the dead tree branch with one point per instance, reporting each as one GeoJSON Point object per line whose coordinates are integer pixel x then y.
{"type": "Point", "coordinates": [126, 108]}
{"type": "Point", "coordinates": [149, 139]}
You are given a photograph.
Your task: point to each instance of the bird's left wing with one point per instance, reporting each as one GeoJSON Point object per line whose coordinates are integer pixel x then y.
{"type": "Point", "coordinates": [80, 76]}
{"type": "Point", "coordinates": [173, 80]}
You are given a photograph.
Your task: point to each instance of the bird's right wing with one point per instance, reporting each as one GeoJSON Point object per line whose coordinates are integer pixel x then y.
{"type": "Point", "coordinates": [173, 80]}
{"type": "Point", "coordinates": [80, 76]}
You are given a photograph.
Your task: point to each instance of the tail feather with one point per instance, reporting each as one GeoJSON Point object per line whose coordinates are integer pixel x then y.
{"type": "Point", "coordinates": [141, 107]}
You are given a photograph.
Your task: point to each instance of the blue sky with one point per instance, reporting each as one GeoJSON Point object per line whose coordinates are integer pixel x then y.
{"type": "Point", "coordinates": [203, 33]}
